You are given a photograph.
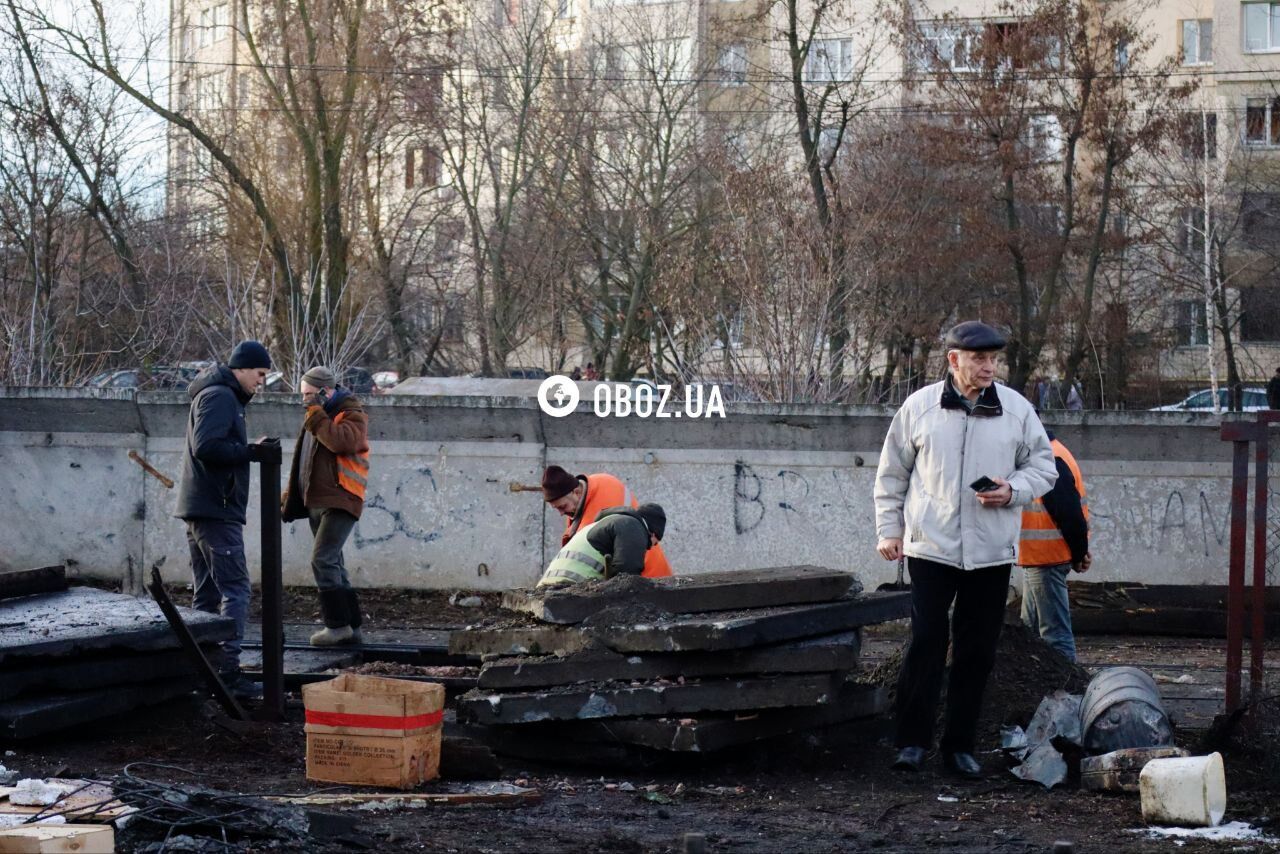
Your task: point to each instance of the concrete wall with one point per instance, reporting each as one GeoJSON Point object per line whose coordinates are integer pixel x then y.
{"type": "Point", "coordinates": [767, 485]}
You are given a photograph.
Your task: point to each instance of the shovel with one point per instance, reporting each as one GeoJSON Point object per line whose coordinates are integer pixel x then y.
{"type": "Point", "coordinates": [899, 584]}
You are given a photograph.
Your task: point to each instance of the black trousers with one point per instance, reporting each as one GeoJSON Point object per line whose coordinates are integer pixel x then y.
{"type": "Point", "coordinates": [979, 596]}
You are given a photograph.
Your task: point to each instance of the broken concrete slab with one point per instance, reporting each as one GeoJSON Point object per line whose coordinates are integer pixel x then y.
{"type": "Point", "coordinates": [82, 619]}
{"type": "Point", "coordinates": [739, 629]}
{"type": "Point", "coordinates": [621, 701]}
{"type": "Point", "coordinates": [25, 582]}
{"type": "Point", "coordinates": [520, 640]}
{"type": "Point", "coordinates": [27, 717]}
{"type": "Point", "coordinates": [709, 733]}
{"type": "Point", "coordinates": [815, 655]}
{"type": "Point", "coordinates": [688, 594]}
{"type": "Point", "coordinates": [85, 674]}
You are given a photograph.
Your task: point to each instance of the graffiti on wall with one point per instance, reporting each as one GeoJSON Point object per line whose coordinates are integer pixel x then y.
{"type": "Point", "coordinates": [1157, 519]}
{"type": "Point", "coordinates": [387, 514]}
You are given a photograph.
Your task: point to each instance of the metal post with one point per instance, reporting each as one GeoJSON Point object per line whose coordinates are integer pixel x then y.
{"type": "Point", "coordinates": [272, 588]}
{"type": "Point", "coordinates": [1258, 631]}
{"type": "Point", "coordinates": [1235, 578]}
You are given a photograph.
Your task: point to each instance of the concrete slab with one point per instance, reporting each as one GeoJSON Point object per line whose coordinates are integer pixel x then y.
{"type": "Point", "coordinates": [688, 594]}
{"type": "Point", "coordinates": [737, 630]}
{"type": "Point", "coordinates": [709, 733]}
{"type": "Point", "coordinates": [614, 701]}
{"type": "Point", "coordinates": [521, 640]}
{"type": "Point", "coordinates": [91, 672]}
{"type": "Point", "coordinates": [298, 661]}
{"type": "Point", "coordinates": [82, 619]}
{"type": "Point", "coordinates": [27, 717]}
{"type": "Point", "coordinates": [416, 646]}
{"type": "Point", "coordinates": [816, 655]}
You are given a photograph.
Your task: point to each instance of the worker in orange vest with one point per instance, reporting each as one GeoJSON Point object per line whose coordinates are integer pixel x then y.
{"type": "Point", "coordinates": [1054, 541]}
{"type": "Point", "coordinates": [580, 499]}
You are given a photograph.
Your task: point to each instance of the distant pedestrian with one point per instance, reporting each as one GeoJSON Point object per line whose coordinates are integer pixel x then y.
{"type": "Point", "coordinates": [327, 481]}
{"type": "Point", "coordinates": [1273, 391]}
{"type": "Point", "coordinates": [214, 493]}
{"type": "Point", "coordinates": [1055, 541]}
{"type": "Point", "coordinates": [576, 373]}
{"type": "Point", "coordinates": [590, 374]}
{"type": "Point", "coordinates": [959, 462]}
{"type": "Point", "coordinates": [1075, 401]}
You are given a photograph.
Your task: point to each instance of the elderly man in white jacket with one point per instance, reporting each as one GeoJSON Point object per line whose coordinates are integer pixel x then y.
{"type": "Point", "coordinates": [959, 462]}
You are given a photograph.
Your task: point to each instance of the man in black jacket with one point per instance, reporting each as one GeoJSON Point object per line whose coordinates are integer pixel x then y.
{"type": "Point", "coordinates": [614, 544]}
{"type": "Point", "coordinates": [1273, 391]}
{"type": "Point", "coordinates": [214, 493]}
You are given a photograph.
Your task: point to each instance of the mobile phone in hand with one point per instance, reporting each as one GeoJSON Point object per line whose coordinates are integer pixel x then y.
{"type": "Point", "coordinates": [984, 484]}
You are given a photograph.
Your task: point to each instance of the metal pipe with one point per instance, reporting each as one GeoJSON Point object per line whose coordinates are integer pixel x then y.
{"type": "Point", "coordinates": [1235, 577]}
{"type": "Point", "coordinates": [272, 587]}
{"type": "Point", "coordinates": [1258, 632]}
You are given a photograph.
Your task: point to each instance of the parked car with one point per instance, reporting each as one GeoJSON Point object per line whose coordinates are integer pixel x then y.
{"type": "Point", "coordinates": [357, 380]}
{"type": "Point", "coordinates": [527, 373]}
{"type": "Point", "coordinates": [158, 377]}
{"type": "Point", "coordinates": [1255, 400]}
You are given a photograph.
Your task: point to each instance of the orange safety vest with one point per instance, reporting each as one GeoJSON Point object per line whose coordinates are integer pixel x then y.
{"type": "Point", "coordinates": [353, 469]}
{"type": "Point", "coordinates": [605, 490]}
{"type": "Point", "coordinates": [1042, 543]}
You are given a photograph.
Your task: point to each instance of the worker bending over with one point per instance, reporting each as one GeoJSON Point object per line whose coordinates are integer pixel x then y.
{"type": "Point", "coordinates": [581, 500]}
{"type": "Point", "coordinates": [614, 544]}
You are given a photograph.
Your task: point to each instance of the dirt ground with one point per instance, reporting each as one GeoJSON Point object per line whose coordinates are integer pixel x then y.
{"type": "Point", "coordinates": [813, 793]}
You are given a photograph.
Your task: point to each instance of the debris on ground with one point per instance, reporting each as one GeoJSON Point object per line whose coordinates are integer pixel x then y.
{"type": "Point", "coordinates": [653, 675]}
{"type": "Point", "coordinates": [1122, 709]}
{"type": "Point", "coordinates": [445, 795]}
{"type": "Point", "coordinates": [395, 668]}
{"type": "Point", "coordinates": [1233, 831]}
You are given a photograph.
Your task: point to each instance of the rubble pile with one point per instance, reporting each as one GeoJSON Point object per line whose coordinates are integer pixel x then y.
{"type": "Point", "coordinates": [692, 664]}
{"type": "Point", "coordinates": [81, 654]}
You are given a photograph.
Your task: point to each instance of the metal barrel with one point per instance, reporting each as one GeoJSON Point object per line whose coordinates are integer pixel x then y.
{"type": "Point", "coordinates": [1122, 709]}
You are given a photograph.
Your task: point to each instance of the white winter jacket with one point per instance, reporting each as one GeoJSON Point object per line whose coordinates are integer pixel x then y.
{"type": "Point", "coordinates": [936, 448]}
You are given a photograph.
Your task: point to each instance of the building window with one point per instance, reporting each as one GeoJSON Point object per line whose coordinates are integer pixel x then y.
{"type": "Point", "coordinates": [1260, 221]}
{"type": "Point", "coordinates": [947, 47]}
{"type": "Point", "coordinates": [1198, 134]}
{"type": "Point", "coordinates": [1191, 232]}
{"type": "Point", "coordinates": [731, 65]}
{"type": "Point", "coordinates": [210, 90]}
{"type": "Point", "coordinates": [1261, 26]}
{"type": "Point", "coordinates": [221, 28]}
{"type": "Point", "coordinates": [564, 9]}
{"type": "Point", "coordinates": [1197, 42]}
{"type": "Point", "coordinates": [1260, 313]}
{"type": "Point", "coordinates": [829, 60]}
{"type": "Point", "coordinates": [503, 13]}
{"type": "Point", "coordinates": [1042, 137]}
{"type": "Point", "coordinates": [1191, 329]}
{"type": "Point", "coordinates": [422, 167]}
{"type": "Point", "coordinates": [1262, 122]}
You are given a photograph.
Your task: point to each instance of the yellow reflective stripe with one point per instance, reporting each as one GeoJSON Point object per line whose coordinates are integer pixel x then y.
{"type": "Point", "coordinates": [581, 557]}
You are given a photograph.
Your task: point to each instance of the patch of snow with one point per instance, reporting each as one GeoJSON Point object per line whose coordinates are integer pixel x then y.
{"type": "Point", "coordinates": [1231, 832]}
{"type": "Point", "coordinates": [35, 793]}
{"type": "Point", "coordinates": [948, 799]}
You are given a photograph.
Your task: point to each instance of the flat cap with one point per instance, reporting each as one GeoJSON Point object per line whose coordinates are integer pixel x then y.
{"type": "Point", "coordinates": [320, 377]}
{"type": "Point", "coordinates": [557, 483]}
{"type": "Point", "coordinates": [973, 335]}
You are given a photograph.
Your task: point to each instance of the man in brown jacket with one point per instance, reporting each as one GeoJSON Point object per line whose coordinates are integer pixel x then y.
{"type": "Point", "coordinates": [326, 486]}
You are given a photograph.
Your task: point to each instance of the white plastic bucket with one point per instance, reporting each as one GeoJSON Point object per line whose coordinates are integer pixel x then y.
{"type": "Point", "coordinates": [1188, 791]}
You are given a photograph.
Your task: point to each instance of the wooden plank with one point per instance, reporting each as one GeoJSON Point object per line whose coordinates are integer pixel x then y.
{"type": "Point", "coordinates": [741, 629]}
{"type": "Point", "coordinates": [815, 655]}
{"type": "Point", "coordinates": [25, 582]}
{"type": "Point", "coordinates": [27, 717]}
{"type": "Point", "coordinates": [688, 594]}
{"type": "Point", "coordinates": [38, 839]}
{"type": "Point", "coordinates": [623, 701]}
{"type": "Point", "coordinates": [502, 794]}
{"type": "Point", "coordinates": [84, 619]}
{"type": "Point", "coordinates": [85, 674]}
{"type": "Point", "coordinates": [86, 801]}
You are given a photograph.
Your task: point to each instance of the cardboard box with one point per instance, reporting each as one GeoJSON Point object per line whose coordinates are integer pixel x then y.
{"type": "Point", "coordinates": [374, 731]}
{"type": "Point", "coordinates": [80, 838]}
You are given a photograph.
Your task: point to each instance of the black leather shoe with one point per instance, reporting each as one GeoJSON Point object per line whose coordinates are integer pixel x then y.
{"type": "Point", "coordinates": [963, 764]}
{"type": "Point", "coordinates": [909, 759]}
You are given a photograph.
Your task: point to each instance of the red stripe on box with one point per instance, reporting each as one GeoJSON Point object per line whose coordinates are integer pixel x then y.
{"type": "Point", "coordinates": [375, 721]}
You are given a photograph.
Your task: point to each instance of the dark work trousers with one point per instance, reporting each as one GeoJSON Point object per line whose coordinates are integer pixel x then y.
{"type": "Point", "coordinates": [979, 596]}
{"type": "Point", "coordinates": [331, 527]}
{"type": "Point", "coordinates": [221, 579]}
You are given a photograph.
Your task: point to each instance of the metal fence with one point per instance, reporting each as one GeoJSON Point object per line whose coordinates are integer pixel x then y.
{"type": "Point", "coordinates": [1255, 545]}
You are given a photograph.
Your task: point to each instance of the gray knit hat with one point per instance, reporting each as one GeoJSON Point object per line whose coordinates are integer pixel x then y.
{"type": "Point", "coordinates": [320, 377]}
